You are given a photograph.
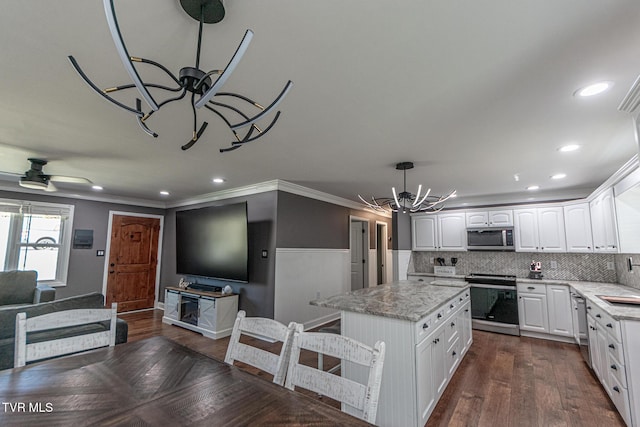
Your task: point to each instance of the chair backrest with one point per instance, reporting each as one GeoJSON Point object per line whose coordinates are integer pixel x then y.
{"type": "Point", "coordinates": [264, 329]}
{"type": "Point", "coordinates": [62, 319]}
{"type": "Point", "coordinates": [363, 397]}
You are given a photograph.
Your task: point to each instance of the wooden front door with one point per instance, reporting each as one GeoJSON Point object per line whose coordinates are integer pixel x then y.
{"type": "Point", "coordinates": [133, 258]}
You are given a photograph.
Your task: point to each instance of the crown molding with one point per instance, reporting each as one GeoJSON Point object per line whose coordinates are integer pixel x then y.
{"type": "Point", "coordinates": [619, 175]}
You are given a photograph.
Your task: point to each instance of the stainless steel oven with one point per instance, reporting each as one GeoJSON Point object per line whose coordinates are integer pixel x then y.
{"type": "Point", "coordinates": [494, 303]}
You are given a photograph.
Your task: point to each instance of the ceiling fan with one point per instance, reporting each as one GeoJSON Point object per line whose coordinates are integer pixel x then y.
{"type": "Point", "coordinates": [36, 179]}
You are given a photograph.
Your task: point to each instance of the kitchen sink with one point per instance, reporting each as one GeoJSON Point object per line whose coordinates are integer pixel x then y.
{"type": "Point", "coordinates": [626, 300]}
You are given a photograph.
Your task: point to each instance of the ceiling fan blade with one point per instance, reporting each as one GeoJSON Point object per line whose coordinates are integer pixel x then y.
{"type": "Point", "coordinates": [50, 187]}
{"type": "Point", "coordinates": [71, 179]}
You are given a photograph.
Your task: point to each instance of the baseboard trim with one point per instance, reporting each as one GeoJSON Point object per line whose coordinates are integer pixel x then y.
{"type": "Point", "coordinates": [542, 336]}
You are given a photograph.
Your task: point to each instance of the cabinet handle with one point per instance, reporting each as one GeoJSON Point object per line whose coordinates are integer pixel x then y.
{"type": "Point", "coordinates": [614, 367]}
{"type": "Point", "coordinates": [531, 288]}
{"type": "Point", "coordinates": [598, 316]}
{"type": "Point", "coordinates": [609, 325]}
{"type": "Point", "coordinates": [615, 387]}
{"type": "Point", "coordinates": [588, 307]}
{"type": "Point", "coordinates": [420, 280]}
{"type": "Point", "coordinates": [425, 326]}
{"type": "Point", "coordinates": [454, 353]}
{"type": "Point", "coordinates": [612, 346]}
{"type": "Point", "coordinates": [439, 315]}
{"type": "Point", "coordinates": [436, 341]}
{"type": "Point", "coordinates": [453, 324]}
{"type": "Point", "coordinates": [460, 298]}
{"type": "Point", "coordinates": [466, 310]}
{"type": "Point", "coordinates": [451, 306]}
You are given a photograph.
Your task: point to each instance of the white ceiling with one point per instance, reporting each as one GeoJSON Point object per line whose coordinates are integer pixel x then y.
{"type": "Point", "coordinates": [471, 92]}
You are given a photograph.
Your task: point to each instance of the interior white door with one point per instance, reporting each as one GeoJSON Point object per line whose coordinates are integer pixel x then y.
{"type": "Point", "coordinates": [358, 263]}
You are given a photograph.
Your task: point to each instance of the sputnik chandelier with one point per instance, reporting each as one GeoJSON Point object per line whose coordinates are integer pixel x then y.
{"type": "Point", "coordinates": [405, 201]}
{"type": "Point", "coordinates": [191, 80]}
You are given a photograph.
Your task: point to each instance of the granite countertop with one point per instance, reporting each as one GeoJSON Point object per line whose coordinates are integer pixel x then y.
{"type": "Point", "coordinates": [407, 300]}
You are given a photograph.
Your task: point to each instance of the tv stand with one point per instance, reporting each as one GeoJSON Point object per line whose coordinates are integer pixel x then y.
{"type": "Point", "coordinates": [210, 313]}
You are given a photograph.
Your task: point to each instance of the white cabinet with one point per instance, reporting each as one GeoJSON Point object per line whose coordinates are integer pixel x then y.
{"type": "Point", "coordinates": [493, 218]}
{"type": "Point", "coordinates": [577, 224]}
{"type": "Point", "coordinates": [559, 310]}
{"type": "Point", "coordinates": [214, 316]}
{"type": "Point", "coordinates": [426, 393]}
{"type": "Point", "coordinates": [445, 232]}
{"type": "Point", "coordinates": [603, 223]}
{"type": "Point", "coordinates": [452, 232]}
{"type": "Point", "coordinates": [423, 233]}
{"type": "Point", "coordinates": [539, 230]}
{"type": "Point", "coordinates": [532, 311]}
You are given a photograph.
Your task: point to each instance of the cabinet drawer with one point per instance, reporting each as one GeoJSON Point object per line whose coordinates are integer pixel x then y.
{"type": "Point", "coordinates": [611, 325]}
{"type": "Point", "coordinates": [617, 370]}
{"type": "Point", "coordinates": [453, 357]}
{"type": "Point", "coordinates": [451, 330]}
{"type": "Point", "coordinates": [532, 288]}
{"type": "Point", "coordinates": [451, 305]}
{"type": "Point", "coordinates": [615, 349]}
{"type": "Point", "coordinates": [620, 398]}
{"type": "Point", "coordinates": [424, 327]}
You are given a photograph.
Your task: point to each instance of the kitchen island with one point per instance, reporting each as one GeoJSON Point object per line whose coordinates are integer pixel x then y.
{"type": "Point", "coordinates": [427, 331]}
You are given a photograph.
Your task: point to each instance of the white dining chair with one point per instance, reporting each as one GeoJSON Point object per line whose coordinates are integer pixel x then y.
{"type": "Point", "coordinates": [28, 352]}
{"type": "Point", "coordinates": [266, 330]}
{"type": "Point", "coordinates": [362, 397]}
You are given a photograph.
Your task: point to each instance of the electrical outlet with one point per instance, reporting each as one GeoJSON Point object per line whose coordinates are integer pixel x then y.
{"type": "Point", "coordinates": [610, 265]}
{"type": "Point", "coordinates": [553, 264]}
{"type": "Point", "coordinates": [432, 260]}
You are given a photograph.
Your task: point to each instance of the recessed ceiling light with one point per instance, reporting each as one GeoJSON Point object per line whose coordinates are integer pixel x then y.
{"type": "Point", "coordinates": [164, 193]}
{"type": "Point", "coordinates": [593, 89]}
{"type": "Point", "coordinates": [97, 188]}
{"type": "Point", "coordinates": [516, 177]}
{"type": "Point", "coordinates": [559, 176]}
{"type": "Point", "coordinates": [568, 148]}
{"type": "Point", "coordinates": [533, 187]}
{"type": "Point", "coordinates": [218, 180]}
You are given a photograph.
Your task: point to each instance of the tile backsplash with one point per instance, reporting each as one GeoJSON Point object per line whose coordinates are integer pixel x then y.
{"type": "Point", "coordinates": [586, 267]}
{"type": "Point", "coordinates": [626, 277]}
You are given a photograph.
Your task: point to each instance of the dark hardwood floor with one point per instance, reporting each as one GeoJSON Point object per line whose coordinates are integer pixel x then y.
{"type": "Point", "coordinates": [502, 381]}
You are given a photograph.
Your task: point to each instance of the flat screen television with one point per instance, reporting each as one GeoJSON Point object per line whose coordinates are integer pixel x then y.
{"type": "Point", "coordinates": [213, 242]}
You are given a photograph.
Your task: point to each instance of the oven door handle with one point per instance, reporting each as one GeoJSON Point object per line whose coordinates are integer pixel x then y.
{"type": "Point", "coordinates": [480, 285]}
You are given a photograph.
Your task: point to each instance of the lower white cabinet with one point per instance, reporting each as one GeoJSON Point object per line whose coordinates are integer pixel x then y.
{"type": "Point", "coordinates": [545, 309]}
{"type": "Point", "coordinates": [611, 343]}
{"type": "Point", "coordinates": [560, 310]}
{"type": "Point", "coordinates": [532, 310]}
{"type": "Point", "coordinates": [421, 358]}
{"type": "Point", "coordinates": [211, 314]}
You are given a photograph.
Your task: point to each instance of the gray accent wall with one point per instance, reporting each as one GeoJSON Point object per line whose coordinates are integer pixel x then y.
{"type": "Point", "coordinates": [257, 296]}
{"type": "Point", "coordinates": [309, 223]}
{"type": "Point", "coordinates": [86, 270]}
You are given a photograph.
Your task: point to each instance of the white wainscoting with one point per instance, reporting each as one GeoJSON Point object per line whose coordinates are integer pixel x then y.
{"type": "Point", "coordinates": [389, 265]}
{"type": "Point", "coordinates": [303, 273]}
{"type": "Point", "coordinates": [401, 264]}
{"type": "Point", "coordinates": [373, 268]}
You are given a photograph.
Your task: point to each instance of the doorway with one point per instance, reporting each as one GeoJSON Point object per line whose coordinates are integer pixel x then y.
{"type": "Point", "coordinates": [131, 268]}
{"type": "Point", "coordinates": [381, 253]}
{"type": "Point", "coordinates": [359, 251]}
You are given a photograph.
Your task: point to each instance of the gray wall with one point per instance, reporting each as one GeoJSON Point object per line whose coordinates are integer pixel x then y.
{"type": "Point", "coordinates": [85, 268]}
{"type": "Point", "coordinates": [401, 231]}
{"type": "Point", "coordinates": [310, 223]}
{"type": "Point", "coordinates": [257, 296]}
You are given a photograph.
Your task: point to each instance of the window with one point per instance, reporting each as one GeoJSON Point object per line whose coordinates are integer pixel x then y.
{"type": "Point", "coordinates": [36, 236]}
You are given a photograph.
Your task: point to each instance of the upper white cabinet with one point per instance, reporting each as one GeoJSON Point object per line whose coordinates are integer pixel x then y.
{"type": "Point", "coordinates": [423, 233]}
{"type": "Point", "coordinates": [577, 223]}
{"type": "Point", "coordinates": [444, 232]}
{"type": "Point", "coordinates": [603, 222]}
{"type": "Point", "coordinates": [452, 232]}
{"type": "Point", "coordinates": [493, 218]}
{"type": "Point", "coordinates": [539, 230]}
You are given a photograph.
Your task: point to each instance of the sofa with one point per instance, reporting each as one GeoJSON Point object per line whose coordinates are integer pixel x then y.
{"type": "Point", "coordinates": [21, 287]}
{"type": "Point", "coordinates": [8, 323]}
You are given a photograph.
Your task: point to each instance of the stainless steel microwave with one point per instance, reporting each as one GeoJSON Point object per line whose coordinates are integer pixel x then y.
{"type": "Point", "coordinates": [490, 239]}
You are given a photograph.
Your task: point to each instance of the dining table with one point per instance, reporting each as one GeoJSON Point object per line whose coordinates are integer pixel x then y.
{"type": "Point", "coordinates": [153, 382]}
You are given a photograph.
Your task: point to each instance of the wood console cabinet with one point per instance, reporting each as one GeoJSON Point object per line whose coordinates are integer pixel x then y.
{"type": "Point", "coordinates": [210, 313]}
